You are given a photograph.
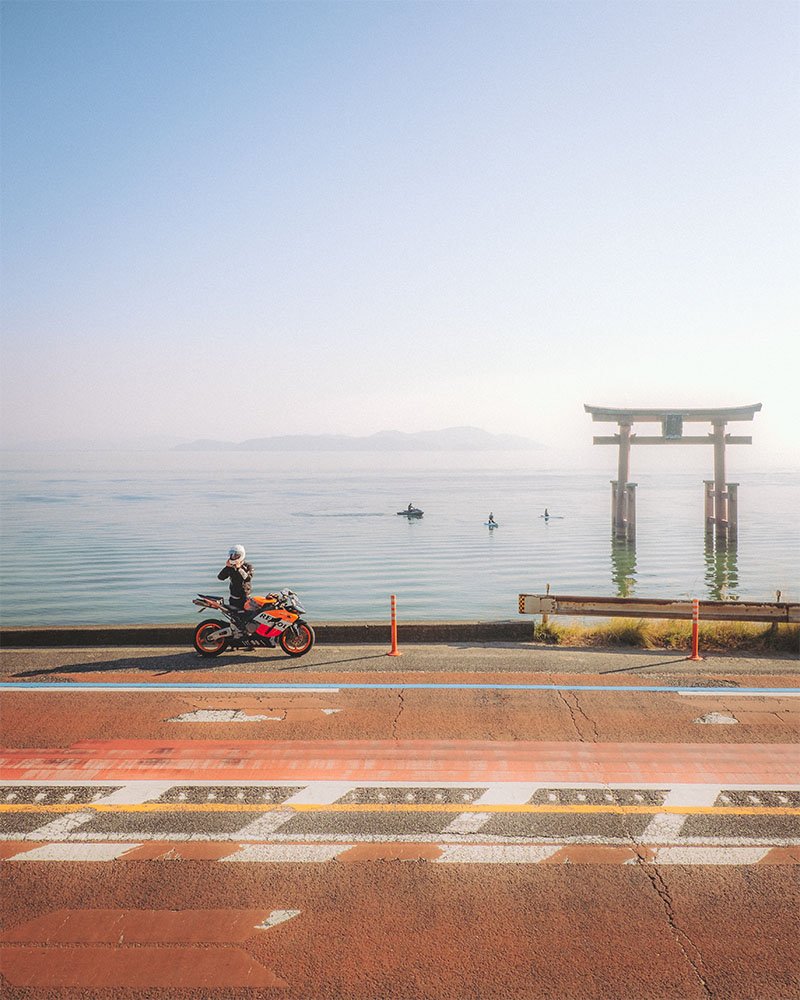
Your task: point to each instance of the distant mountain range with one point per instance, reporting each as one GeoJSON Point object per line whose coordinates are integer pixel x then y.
{"type": "Point", "coordinates": [449, 439]}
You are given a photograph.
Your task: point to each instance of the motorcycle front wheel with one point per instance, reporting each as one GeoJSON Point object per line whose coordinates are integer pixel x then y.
{"type": "Point", "coordinates": [297, 639]}
{"type": "Point", "coordinates": [206, 646]}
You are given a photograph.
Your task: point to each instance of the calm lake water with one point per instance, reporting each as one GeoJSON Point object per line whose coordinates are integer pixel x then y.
{"type": "Point", "coordinates": [104, 537]}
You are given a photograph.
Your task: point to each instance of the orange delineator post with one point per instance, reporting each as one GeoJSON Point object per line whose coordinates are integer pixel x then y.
{"type": "Point", "coordinates": [394, 651]}
{"type": "Point", "coordinates": [695, 630]}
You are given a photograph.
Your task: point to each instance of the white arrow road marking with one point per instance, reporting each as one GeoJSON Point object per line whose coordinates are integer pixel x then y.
{"type": "Point", "coordinates": [223, 715]}
{"type": "Point", "coordinates": [277, 917]}
{"type": "Point", "coordinates": [716, 719]}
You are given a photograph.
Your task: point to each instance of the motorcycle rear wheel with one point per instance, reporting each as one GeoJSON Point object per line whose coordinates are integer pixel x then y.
{"type": "Point", "coordinates": [298, 639]}
{"type": "Point", "coordinates": [205, 647]}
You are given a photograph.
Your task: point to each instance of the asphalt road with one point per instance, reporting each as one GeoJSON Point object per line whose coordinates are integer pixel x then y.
{"type": "Point", "coordinates": [529, 823]}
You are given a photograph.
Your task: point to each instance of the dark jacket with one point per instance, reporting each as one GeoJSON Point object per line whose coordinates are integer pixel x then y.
{"type": "Point", "coordinates": [240, 579]}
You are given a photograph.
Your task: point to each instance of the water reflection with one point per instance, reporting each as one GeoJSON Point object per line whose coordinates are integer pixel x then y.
{"type": "Point", "coordinates": [623, 566]}
{"type": "Point", "coordinates": [722, 570]}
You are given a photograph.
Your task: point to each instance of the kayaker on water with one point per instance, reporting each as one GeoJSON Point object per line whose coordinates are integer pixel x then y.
{"type": "Point", "coordinates": [491, 519]}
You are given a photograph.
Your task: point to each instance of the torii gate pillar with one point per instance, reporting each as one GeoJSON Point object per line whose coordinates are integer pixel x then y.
{"type": "Point", "coordinates": [721, 501]}
{"type": "Point", "coordinates": [720, 491]}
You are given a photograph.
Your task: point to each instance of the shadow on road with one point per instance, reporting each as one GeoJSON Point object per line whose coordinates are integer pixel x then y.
{"type": "Point", "coordinates": [187, 662]}
{"type": "Point", "coordinates": [646, 666]}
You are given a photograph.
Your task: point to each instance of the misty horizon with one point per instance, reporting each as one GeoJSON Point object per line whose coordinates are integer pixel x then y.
{"type": "Point", "coordinates": [233, 220]}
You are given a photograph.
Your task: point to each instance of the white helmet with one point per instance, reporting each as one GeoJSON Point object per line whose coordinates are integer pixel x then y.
{"type": "Point", "coordinates": [236, 552]}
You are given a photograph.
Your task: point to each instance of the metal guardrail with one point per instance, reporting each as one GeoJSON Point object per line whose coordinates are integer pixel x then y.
{"type": "Point", "coordinates": [634, 607]}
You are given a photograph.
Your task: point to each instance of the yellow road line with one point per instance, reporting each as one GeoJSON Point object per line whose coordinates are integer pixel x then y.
{"type": "Point", "coordinates": [362, 807]}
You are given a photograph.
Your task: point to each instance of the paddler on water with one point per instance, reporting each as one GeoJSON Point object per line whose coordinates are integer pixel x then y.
{"type": "Point", "coordinates": [491, 519]}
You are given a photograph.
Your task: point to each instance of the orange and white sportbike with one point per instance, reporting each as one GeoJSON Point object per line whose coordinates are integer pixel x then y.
{"type": "Point", "coordinates": [273, 620]}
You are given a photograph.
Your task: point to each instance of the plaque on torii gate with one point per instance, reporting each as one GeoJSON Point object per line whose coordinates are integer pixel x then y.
{"type": "Point", "coordinates": [721, 499]}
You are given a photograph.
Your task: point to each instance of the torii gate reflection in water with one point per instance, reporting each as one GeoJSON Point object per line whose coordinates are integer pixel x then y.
{"type": "Point", "coordinates": [721, 500]}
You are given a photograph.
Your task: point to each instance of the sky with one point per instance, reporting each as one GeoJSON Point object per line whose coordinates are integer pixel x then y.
{"type": "Point", "coordinates": [238, 219]}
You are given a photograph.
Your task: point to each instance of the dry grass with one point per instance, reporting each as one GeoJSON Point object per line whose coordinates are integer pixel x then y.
{"type": "Point", "coordinates": [715, 637]}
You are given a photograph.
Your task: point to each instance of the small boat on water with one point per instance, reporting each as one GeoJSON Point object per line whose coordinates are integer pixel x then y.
{"type": "Point", "coordinates": [491, 524]}
{"type": "Point", "coordinates": [410, 512]}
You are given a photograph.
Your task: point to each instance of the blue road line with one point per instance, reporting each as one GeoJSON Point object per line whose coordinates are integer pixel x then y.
{"type": "Point", "coordinates": [221, 686]}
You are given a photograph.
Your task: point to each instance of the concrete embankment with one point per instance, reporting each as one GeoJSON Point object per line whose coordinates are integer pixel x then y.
{"type": "Point", "coordinates": [347, 633]}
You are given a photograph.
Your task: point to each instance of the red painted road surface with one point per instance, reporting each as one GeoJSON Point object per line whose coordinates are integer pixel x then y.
{"type": "Point", "coordinates": [407, 931]}
{"type": "Point", "coordinates": [405, 760]}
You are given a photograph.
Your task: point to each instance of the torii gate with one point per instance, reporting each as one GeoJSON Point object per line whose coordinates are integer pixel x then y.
{"type": "Point", "coordinates": [721, 505]}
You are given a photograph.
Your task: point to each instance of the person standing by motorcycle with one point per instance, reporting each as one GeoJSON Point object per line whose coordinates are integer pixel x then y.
{"type": "Point", "coordinates": [240, 574]}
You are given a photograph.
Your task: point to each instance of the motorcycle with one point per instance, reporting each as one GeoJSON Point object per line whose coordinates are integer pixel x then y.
{"type": "Point", "coordinates": [265, 621]}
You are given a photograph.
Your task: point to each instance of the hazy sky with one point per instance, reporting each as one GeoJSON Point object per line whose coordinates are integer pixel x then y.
{"type": "Point", "coordinates": [238, 219]}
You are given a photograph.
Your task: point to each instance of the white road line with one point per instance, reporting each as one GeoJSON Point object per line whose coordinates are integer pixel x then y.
{"type": "Point", "coordinates": [130, 840]}
{"type": "Point", "coordinates": [709, 855]}
{"type": "Point", "coordinates": [79, 688]}
{"type": "Point", "coordinates": [500, 793]}
{"type": "Point", "coordinates": [75, 852]}
{"type": "Point", "coordinates": [322, 793]}
{"type": "Point", "coordinates": [500, 785]}
{"type": "Point", "coordinates": [468, 823]}
{"type": "Point", "coordinates": [265, 825]}
{"type": "Point", "coordinates": [318, 793]}
{"type": "Point", "coordinates": [496, 853]}
{"type": "Point", "coordinates": [288, 852]}
{"type": "Point", "coordinates": [136, 792]}
{"type": "Point", "coordinates": [664, 828]}
{"type": "Point", "coordinates": [60, 828]}
{"type": "Point", "coordinates": [733, 693]}
{"type": "Point", "coordinates": [508, 793]}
